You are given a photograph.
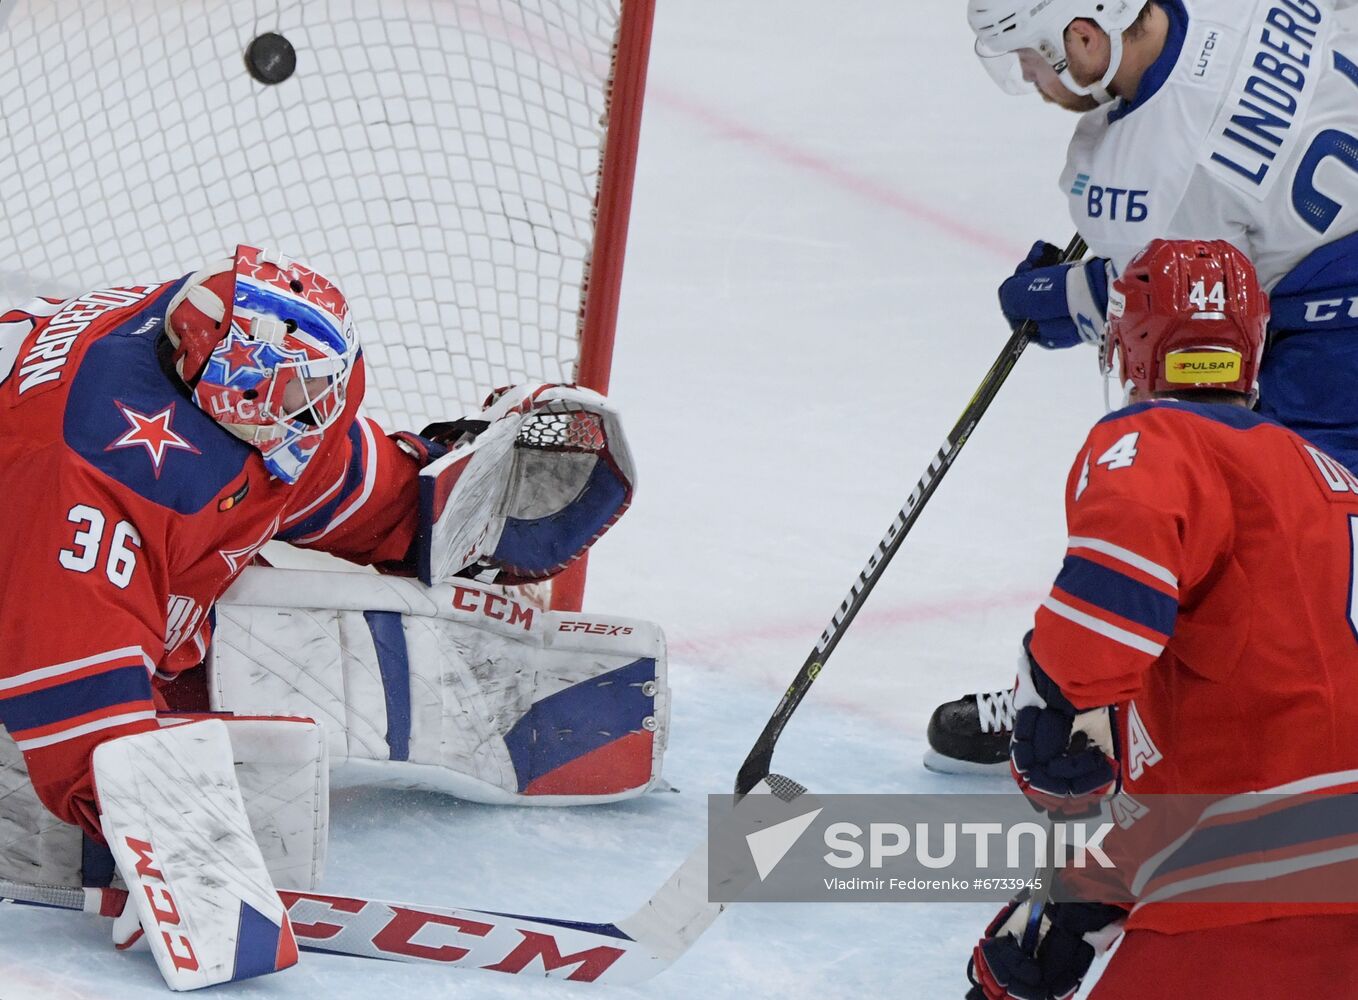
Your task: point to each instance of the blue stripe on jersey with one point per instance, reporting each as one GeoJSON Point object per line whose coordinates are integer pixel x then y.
{"type": "Point", "coordinates": [1108, 589]}
{"type": "Point", "coordinates": [1313, 820]}
{"type": "Point", "coordinates": [66, 701]}
{"type": "Point", "coordinates": [353, 482]}
{"type": "Point", "coordinates": [1235, 417]}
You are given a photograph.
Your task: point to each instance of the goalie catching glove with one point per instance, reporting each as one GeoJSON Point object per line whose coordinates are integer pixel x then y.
{"type": "Point", "coordinates": [525, 489]}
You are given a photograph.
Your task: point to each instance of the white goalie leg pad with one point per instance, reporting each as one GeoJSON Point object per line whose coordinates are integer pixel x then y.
{"type": "Point", "coordinates": [172, 814]}
{"type": "Point", "coordinates": [282, 766]}
{"type": "Point", "coordinates": [547, 477]}
{"type": "Point", "coordinates": [455, 688]}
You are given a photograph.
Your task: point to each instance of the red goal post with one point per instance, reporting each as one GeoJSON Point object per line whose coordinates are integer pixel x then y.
{"type": "Point", "coordinates": [463, 168]}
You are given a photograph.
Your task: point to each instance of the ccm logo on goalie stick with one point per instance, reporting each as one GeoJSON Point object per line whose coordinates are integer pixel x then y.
{"type": "Point", "coordinates": [488, 945]}
{"type": "Point", "coordinates": [163, 907]}
{"type": "Point", "coordinates": [501, 609]}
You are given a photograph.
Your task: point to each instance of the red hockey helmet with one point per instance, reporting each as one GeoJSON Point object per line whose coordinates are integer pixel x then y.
{"type": "Point", "coordinates": [1187, 314]}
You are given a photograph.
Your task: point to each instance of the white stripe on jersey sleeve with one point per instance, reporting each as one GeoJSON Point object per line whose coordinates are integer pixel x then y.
{"type": "Point", "coordinates": [73, 666]}
{"type": "Point", "coordinates": [75, 732]}
{"type": "Point", "coordinates": [1104, 629]}
{"type": "Point", "coordinates": [1127, 556]}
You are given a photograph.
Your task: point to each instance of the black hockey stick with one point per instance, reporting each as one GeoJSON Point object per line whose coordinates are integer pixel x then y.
{"type": "Point", "coordinates": [760, 759]}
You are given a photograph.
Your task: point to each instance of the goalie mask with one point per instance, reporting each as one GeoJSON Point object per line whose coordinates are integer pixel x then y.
{"type": "Point", "coordinates": [266, 346]}
{"type": "Point", "coordinates": [1187, 314]}
{"type": "Point", "coordinates": [1008, 30]}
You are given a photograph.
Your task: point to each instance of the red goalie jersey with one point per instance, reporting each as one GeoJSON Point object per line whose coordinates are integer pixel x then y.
{"type": "Point", "coordinates": [127, 511]}
{"type": "Point", "coordinates": [1208, 594]}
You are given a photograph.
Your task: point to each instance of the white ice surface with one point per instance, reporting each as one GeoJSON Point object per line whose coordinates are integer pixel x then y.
{"type": "Point", "coordinates": [827, 196]}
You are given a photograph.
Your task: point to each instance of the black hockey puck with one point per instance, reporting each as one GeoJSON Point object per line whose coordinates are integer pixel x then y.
{"type": "Point", "coordinates": [271, 58]}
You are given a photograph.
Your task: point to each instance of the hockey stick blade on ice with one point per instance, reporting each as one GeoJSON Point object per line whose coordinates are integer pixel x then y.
{"type": "Point", "coordinates": [629, 951]}
{"type": "Point", "coordinates": [760, 759]}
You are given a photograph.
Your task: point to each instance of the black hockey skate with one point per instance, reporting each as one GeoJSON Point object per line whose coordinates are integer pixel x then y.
{"type": "Point", "coordinates": [971, 735]}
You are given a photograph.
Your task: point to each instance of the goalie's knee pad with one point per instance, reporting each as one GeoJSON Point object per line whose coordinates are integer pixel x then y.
{"type": "Point", "coordinates": [454, 688]}
{"type": "Point", "coordinates": [283, 770]}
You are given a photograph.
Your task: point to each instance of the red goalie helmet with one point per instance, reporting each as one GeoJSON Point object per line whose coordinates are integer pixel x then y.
{"type": "Point", "coordinates": [1187, 314]}
{"type": "Point", "coordinates": [266, 347]}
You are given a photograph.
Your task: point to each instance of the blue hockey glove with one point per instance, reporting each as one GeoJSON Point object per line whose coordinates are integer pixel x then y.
{"type": "Point", "coordinates": [1071, 936]}
{"type": "Point", "coordinates": [1068, 302]}
{"type": "Point", "coordinates": [1063, 758]}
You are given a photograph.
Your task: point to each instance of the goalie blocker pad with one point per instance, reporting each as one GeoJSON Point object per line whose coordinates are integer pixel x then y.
{"type": "Point", "coordinates": [172, 814]}
{"type": "Point", "coordinates": [525, 497]}
{"type": "Point", "coordinates": [456, 688]}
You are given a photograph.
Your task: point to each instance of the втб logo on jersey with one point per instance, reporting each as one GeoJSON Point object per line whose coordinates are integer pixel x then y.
{"type": "Point", "coordinates": [1114, 203]}
{"type": "Point", "coordinates": [153, 433]}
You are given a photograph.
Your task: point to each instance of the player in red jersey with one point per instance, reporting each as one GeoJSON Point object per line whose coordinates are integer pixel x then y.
{"type": "Point", "coordinates": [1200, 638]}
{"type": "Point", "coordinates": [153, 439]}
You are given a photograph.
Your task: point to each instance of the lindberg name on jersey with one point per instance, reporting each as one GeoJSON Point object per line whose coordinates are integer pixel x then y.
{"type": "Point", "coordinates": [1272, 89]}
{"type": "Point", "coordinates": [47, 356]}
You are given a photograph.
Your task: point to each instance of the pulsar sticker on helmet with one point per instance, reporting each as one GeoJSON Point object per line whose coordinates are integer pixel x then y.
{"type": "Point", "coordinates": [1203, 367]}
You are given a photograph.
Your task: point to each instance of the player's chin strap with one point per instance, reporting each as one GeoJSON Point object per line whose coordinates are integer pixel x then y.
{"type": "Point", "coordinates": [1099, 91]}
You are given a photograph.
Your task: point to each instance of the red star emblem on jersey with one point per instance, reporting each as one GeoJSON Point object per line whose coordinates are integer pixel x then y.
{"type": "Point", "coordinates": [154, 433]}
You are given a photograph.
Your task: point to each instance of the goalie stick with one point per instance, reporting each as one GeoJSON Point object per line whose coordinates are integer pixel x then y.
{"type": "Point", "coordinates": [629, 951]}
{"type": "Point", "coordinates": [760, 759]}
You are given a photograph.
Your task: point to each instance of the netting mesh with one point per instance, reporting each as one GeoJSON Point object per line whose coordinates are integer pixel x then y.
{"type": "Point", "coordinates": [438, 158]}
{"type": "Point", "coordinates": [563, 430]}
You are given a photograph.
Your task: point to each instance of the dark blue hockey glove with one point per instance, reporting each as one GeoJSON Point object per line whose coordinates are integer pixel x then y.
{"type": "Point", "coordinates": [1072, 936]}
{"type": "Point", "coordinates": [1064, 759]}
{"type": "Point", "coordinates": [1067, 301]}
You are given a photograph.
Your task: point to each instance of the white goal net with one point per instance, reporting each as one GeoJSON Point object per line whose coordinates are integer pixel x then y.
{"type": "Point", "coordinates": [441, 159]}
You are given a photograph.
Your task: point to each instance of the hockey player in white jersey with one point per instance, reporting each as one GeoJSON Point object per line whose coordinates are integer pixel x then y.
{"type": "Point", "coordinates": [1204, 119]}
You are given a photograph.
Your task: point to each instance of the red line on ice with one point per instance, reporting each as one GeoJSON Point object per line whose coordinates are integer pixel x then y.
{"type": "Point", "coordinates": [874, 191]}
{"type": "Point", "coordinates": [714, 648]}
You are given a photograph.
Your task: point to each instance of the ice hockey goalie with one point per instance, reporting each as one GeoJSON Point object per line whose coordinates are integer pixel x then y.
{"type": "Point", "coordinates": [153, 438]}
